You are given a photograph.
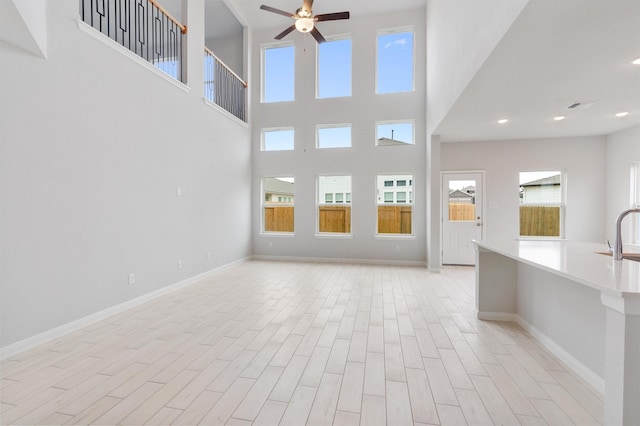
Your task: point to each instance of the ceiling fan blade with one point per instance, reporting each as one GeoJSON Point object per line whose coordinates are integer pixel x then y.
{"type": "Point", "coordinates": [332, 16]}
{"type": "Point", "coordinates": [285, 32]}
{"type": "Point", "coordinates": [307, 4]}
{"type": "Point", "coordinates": [278, 11]}
{"type": "Point", "coordinates": [316, 34]}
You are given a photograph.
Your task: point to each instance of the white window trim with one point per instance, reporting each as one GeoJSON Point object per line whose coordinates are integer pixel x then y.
{"type": "Point", "coordinates": [331, 38]}
{"type": "Point", "coordinates": [319, 234]}
{"type": "Point", "coordinates": [407, 121]}
{"type": "Point", "coordinates": [263, 49]}
{"type": "Point", "coordinates": [396, 30]}
{"type": "Point", "coordinates": [562, 204]}
{"type": "Point", "coordinates": [412, 177]}
{"type": "Point", "coordinates": [276, 129]}
{"type": "Point", "coordinates": [334, 126]}
{"type": "Point", "coordinates": [263, 205]}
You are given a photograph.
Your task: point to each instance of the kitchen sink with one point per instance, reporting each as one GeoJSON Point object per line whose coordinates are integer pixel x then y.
{"type": "Point", "coordinates": [629, 256]}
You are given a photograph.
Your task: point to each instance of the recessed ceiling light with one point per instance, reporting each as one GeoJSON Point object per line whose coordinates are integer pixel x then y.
{"type": "Point", "coordinates": [502, 121]}
{"type": "Point", "coordinates": [559, 117]}
{"type": "Point", "coordinates": [622, 114]}
{"type": "Point", "coordinates": [636, 61]}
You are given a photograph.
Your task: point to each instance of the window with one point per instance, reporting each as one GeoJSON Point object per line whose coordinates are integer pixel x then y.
{"type": "Point", "coordinates": [395, 210]}
{"type": "Point", "coordinates": [277, 139]}
{"type": "Point", "coordinates": [278, 74]}
{"type": "Point", "coordinates": [635, 202]}
{"type": "Point", "coordinates": [348, 197]}
{"type": "Point", "coordinates": [541, 204]}
{"type": "Point", "coordinates": [334, 136]}
{"type": "Point", "coordinates": [334, 217]}
{"type": "Point", "coordinates": [401, 183]}
{"type": "Point", "coordinates": [334, 68]}
{"type": "Point", "coordinates": [278, 196]}
{"type": "Point", "coordinates": [394, 133]}
{"type": "Point", "coordinates": [388, 183]}
{"type": "Point", "coordinates": [395, 62]}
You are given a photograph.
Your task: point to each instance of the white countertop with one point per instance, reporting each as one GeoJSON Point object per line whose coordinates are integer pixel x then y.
{"type": "Point", "coordinates": [577, 261]}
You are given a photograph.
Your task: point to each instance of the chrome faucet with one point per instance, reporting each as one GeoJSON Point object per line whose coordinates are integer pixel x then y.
{"type": "Point", "coordinates": [617, 248]}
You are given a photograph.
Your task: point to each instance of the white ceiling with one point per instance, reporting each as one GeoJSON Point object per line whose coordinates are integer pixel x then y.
{"type": "Point", "coordinates": [556, 53]}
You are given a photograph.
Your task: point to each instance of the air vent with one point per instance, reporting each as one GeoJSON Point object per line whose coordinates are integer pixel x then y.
{"type": "Point", "coordinates": [582, 105]}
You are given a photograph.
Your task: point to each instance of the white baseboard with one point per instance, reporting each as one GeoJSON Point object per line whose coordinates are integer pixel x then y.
{"type": "Point", "coordinates": [60, 331]}
{"type": "Point", "coordinates": [579, 368]}
{"type": "Point", "coordinates": [340, 260]}
{"type": "Point", "coordinates": [496, 316]}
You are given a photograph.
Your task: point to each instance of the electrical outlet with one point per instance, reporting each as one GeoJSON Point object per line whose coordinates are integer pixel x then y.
{"type": "Point", "coordinates": [178, 191]}
{"type": "Point", "coordinates": [132, 279]}
{"type": "Point", "coordinates": [397, 248]}
{"type": "Point", "coordinates": [180, 264]}
{"type": "Point", "coordinates": [209, 256]}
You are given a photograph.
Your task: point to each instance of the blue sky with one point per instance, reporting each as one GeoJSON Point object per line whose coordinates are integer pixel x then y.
{"type": "Point", "coordinates": [394, 74]}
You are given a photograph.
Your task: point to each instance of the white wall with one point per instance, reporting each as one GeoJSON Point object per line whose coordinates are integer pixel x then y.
{"type": "Point", "coordinates": [623, 149]}
{"type": "Point", "coordinates": [93, 146]}
{"type": "Point", "coordinates": [363, 161]}
{"type": "Point", "coordinates": [230, 51]}
{"type": "Point", "coordinates": [461, 35]}
{"type": "Point", "coordinates": [582, 158]}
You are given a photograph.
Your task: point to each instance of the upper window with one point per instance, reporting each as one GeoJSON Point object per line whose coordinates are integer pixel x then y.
{"type": "Point", "coordinates": [541, 204]}
{"type": "Point", "coordinates": [395, 205]}
{"type": "Point", "coordinates": [278, 74]}
{"type": "Point", "coordinates": [334, 214]}
{"type": "Point", "coordinates": [395, 62]}
{"type": "Point", "coordinates": [334, 68]}
{"type": "Point", "coordinates": [277, 139]}
{"type": "Point", "coordinates": [335, 136]}
{"type": "Point", "coordinates": [390, 133]}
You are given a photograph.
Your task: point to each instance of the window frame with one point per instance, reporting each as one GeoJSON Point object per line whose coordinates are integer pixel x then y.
{"type": "Point", "coordinates": [263, 205]}
{"type": "Point", "coordinates": [276, 129]}
{"type": "Point", "coordinates": [330, 39]}
{"type": "Point", "coordinates": [396, 30]}
{"type": "Point", "coordinates": [403, 121]}
{"type": "Point", "coordinates": [344, 203]}
{"type": "Point", "coordinates": [263, 74]}
{"type": "Point", "coordinates": [334, 126]}
{"type": "Point", "coordinates": [562, 207]}
{"type": "Point", "coordinates": [409, 201]}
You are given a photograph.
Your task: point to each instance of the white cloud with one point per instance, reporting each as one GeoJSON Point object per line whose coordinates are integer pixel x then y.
{"type": "Point", "coordinates": [400, 42]}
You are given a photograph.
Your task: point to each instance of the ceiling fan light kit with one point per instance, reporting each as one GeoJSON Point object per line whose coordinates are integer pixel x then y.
{"type": "Point", "coordinates": [305, 20]}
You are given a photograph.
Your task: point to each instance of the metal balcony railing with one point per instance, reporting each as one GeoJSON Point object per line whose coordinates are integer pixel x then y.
{"type": "Point", "coordinates": [141, 26]}
{"type": "Point", "coordinates": [223, 87]}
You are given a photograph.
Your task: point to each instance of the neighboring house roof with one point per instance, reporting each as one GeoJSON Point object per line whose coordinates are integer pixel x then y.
{"type": "Point", "coordinates": [459, 194]}
{"type": "Point", "coordinates": [388, 142]}
{"type": "Point", "coordinates": [551, 180]}
{"type": "Point", "coordinates": [277, 186]}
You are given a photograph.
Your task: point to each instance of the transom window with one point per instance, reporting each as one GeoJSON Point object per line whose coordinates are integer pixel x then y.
{"type": "Point", "coordinates": [334, 68]}
{"type": "Point", "coordinates": [394, 133]}
{"type": "Point", "coordinates": [395, 61]}
{"type": "Point", "coordinates": [278, 139]}
{"type": "Point", "coordinates": [334, 136]}
{"type": "Point", "coordinates": [278, 73]}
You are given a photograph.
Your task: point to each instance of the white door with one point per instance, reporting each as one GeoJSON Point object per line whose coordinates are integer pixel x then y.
{"type": "Point", "coordinates": [461, 216]}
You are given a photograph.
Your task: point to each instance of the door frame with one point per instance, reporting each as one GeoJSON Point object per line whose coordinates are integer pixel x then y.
{"type": "Point", "coordinates": [481, 204]}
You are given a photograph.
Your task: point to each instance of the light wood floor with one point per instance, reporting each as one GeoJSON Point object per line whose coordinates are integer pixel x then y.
{"type": "Point", "coordinates": [269, 343]}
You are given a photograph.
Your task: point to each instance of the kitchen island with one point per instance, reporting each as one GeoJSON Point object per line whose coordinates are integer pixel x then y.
{"type": "Point", "coordinates": [582, 305]}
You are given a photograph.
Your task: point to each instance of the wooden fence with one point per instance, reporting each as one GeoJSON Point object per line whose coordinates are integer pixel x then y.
{"type": "Point", "coordinates": [278, 218]}
{"type": "Point", "coordinates": [394, 219]}
{"type": "Point", "coordinates": [543, 221]}
{"type": "Point", "coordinates": [459, 212]}
{"type": "Point", "coordinates": [335, 219]}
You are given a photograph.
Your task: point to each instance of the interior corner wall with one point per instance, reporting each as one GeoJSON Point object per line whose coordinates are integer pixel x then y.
{"type": "Point", "coordinates": [93, 148]}
{"type": "Point", "coordinates": [581, 157]}
{"type": "Point", "coordinates": [623, 150]}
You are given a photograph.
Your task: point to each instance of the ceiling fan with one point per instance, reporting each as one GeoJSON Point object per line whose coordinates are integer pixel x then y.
{"type": "Point", "coordinates": [305, 20]}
